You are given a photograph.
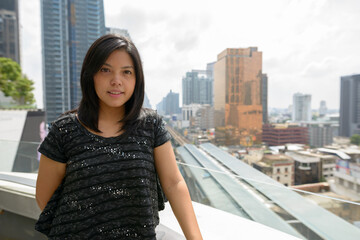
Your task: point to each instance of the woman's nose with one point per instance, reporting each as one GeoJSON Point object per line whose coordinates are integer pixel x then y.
{"type": "Point", "coordinates": [117, 80]}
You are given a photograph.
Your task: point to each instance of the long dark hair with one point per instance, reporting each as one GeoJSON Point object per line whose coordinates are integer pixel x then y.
{"type": "Point", "coordinates": [99, 51]}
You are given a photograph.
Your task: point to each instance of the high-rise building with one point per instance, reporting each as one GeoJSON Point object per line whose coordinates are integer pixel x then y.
{"type": "Point", "coordinates": [172, 103]}
{"type": "Point", "coordinates": [169, 104]}
{"type": "Point", "coordinates": [350, 105]}
{"type": "Point", "coordinates": [322, 108]}
{"type": "Point", "coordinates": [237, 95]}
{"type": "Point", "coordinates": [264, 97]}
{"type": "Point", "coordinates": [301, 110]}
{"type": "Point", "coordinates": [9, 30]}
{"type": "Point", "coordinates": [197, 87]}
{"type": "Point", "coordinates": [69, 27]}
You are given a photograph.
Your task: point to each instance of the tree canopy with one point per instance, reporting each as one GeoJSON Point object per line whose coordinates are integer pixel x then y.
{"type": "Point", "coordinates": [14, 84]}
{"type": "Point", "coordinates": [355, 139]}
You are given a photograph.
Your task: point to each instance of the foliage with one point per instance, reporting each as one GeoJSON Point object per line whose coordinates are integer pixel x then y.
{"type": "Point", "coordinates": [14, 84]}
{"type": "Point", "coordinates": [355, 139]}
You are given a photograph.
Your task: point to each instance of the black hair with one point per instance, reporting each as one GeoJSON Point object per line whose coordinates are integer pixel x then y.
{"type": "Point", "coordinates": [99, 51]}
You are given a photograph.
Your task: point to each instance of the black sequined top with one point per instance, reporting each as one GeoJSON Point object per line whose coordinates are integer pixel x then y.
{"type": "Point", "coordinates": [110, 189]}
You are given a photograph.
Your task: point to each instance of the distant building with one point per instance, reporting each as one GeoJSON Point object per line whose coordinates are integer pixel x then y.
{"type": "Point", "coordinates": [68, 29]}
{"type": "Point", "coordinates": [320, 133]}
{"type": "Point", "coordinates": [279, 167]}
{"type": "Point", "coordinates": [189, 111]}
{"type": "Point", "coordinates": [119, 31]}
{"type": "Point", "coordinates": [9, 30]}
{"type": "Point", "coordinates": [169, 105]}
{"type": "Point", "coordinates": [281, 134]}
{"type": "Point", "coordinates": [205, 116]}
{"type": "Point", "coordinates": [237, 95]}
{"type": "Point", "coordinates": [160, 107]}
{"type": "Point", "coordinates": [197, 87]}
{"type": "Point", "coordinates": [308, 168]}
{"type": "Point", "coordinates": [264, 97]}
{"type": "Point", "coordinates": [198, 116]}
{"type": "Point", "coordinates": [301, 110]}
{"type": "Point", "coordinates": [322, 109]}
{"type": "Point", "coordinates": [350, 105]}
{"type": "Point", "coordinates": [146, 103]}
{"type": "Point", "coordinates": [347, 173]}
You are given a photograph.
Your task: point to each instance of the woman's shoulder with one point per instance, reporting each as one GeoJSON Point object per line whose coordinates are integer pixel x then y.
{"type": "Point", "coordinates": [148, 115]}
{"type": "Point", "coordinates": [64, 120]}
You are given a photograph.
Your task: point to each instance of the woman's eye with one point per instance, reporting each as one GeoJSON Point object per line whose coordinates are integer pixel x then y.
{"type": "Point", "coordinates": [128, 72]}
{"type": "Point", "coordinates": [104, 70]}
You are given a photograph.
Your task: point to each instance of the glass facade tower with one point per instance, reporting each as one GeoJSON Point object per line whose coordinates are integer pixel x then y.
{"type": "Point", "coordinates": [69, 27]}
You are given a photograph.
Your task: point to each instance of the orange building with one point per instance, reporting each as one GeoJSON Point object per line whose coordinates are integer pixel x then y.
{"type": "Point", "coordinates": [237, 93]}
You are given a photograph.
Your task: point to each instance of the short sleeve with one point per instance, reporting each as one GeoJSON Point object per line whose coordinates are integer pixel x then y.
{"type": "Point", "coordinates": [52, 146]}
{"type": "Point", "coordinates": [161, 133]}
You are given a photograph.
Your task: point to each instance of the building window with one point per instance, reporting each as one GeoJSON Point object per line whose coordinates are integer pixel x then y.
{"type": "Point", "coordinates": [278, 179]}
{"type": "Point", "coordinates": [278, 170]}
{"type": "Point", "coordinates": [286, 169]}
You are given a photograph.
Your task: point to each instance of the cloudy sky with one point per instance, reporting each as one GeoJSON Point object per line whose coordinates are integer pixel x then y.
{"type": "Point", "coordinates": [306, 44]}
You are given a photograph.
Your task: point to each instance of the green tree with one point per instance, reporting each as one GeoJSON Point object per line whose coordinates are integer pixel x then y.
{"type": "Point", "coordinates": [355, 139]}
{"type": "Point", "coordinates": [14, 84]}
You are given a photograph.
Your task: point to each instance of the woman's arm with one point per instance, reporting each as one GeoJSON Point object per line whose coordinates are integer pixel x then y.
{"type": "Point", "coordinates": [176, 191]}
{"type": "Point", "coordinates": [50, 175]}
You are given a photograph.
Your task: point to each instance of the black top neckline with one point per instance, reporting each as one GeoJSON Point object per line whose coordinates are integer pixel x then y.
{"type": "Point", "coordinates": [91, 134]}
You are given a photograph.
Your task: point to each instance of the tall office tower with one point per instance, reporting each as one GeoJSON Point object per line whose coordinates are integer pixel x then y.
{"type": "Point", "coordinates": [122, 32]}
{"type": "Point", "coordinates": [350, 105]}
{"type": "Point", "coordinates": [69, 27]}
{"type": "Point", "coordinates": [9, 30]}
{"type": "Point", "coordinates": [264, 97]}
{"type": "Point", "coordinates": [197, 87]}
{"type": "Point", "coordinates": [146, 103]}
{"type": "Point", "coordinates": [301, 107]}
{"type": "Point", "coordinates": [171, 105]}
{"type": "Point", "coordinates": [160, 107]}
{"type": "Point", "coordinates": [322, 108]}
{"type": "Point", "coordinates": [237, 95]}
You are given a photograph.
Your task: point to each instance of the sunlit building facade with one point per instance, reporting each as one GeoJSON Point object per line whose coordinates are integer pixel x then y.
{"type": "Point", "coordinates": [237, 96]}
{"type": "Point", "coordinates": [69, 27]}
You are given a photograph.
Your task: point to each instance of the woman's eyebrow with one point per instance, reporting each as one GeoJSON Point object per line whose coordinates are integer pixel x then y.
{"type": "Point", "coordinates": [109, 65]}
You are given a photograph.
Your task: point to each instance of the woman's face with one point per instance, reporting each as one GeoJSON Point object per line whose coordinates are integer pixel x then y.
{"type": "Point", "coordinates": [115, 81]}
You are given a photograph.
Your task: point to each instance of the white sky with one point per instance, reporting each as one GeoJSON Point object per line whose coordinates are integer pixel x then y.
{"type": "Point", "coordinates": [306, 44]}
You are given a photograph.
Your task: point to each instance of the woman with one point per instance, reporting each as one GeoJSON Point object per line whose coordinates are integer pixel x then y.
{"type": "Point", "coordinates": [101, 163]}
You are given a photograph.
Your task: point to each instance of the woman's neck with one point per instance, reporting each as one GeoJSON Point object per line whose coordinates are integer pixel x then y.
{"type": "Point", "coordinates": [111, 114]}
{"type": "Point", "coordinates": [108, 122]}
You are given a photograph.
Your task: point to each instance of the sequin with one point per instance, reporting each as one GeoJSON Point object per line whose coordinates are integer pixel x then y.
{"type": "Point", "coordinates": [111, 189]}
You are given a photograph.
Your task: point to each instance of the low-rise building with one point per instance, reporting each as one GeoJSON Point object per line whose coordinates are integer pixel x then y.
{"type": "Point", "coordinates": [307, 167]}
{"type": "Point", "coordinates": [277, 166]}
{"type": "Point", "coordinates": [281, 134]}
{"type": "Point", "coordinates": [347, 174]}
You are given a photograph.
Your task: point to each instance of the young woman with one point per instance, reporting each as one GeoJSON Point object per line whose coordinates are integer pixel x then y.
{"type": "Point", "coordinates": [101, 164]}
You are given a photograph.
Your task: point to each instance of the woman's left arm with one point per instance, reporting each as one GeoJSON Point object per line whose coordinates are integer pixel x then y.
{"type": "Point", "coordinates": [176, 191]}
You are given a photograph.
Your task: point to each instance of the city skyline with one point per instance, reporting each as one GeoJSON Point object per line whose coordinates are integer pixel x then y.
{"type": "Point", "coordinates": [307, 46]}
